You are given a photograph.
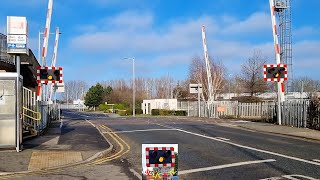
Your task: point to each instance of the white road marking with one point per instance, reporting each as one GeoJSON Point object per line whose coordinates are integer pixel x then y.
{"type": "Point", "coordinates": [144, 130]}
{"type": "Point", "coordinates": [90, 123]}
{"type": "Point", "coordinates": [247, 147]}
{"type": "Point", "coordinates": [136, 173]}
{"type": "Point", "coordinates": [295, 176]}
{"type": "Point", "coordinates": [226, 139]}
{"type": "Point", "coordinates": [292, 177]}
{"type": "Point", "coordinates": [316, 160]}
{"type": "Point", "coordinates": [224, 166]}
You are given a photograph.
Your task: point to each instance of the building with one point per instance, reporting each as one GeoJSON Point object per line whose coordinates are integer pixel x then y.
{"type": "Point", "coordinates": [148, 105]}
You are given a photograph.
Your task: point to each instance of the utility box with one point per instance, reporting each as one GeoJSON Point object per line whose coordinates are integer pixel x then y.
{"type": "Point", "coordinates": [10, 110]}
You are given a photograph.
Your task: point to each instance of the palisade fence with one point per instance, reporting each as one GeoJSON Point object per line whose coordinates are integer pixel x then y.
{"type": "Point", "coordinates": [297, 113]}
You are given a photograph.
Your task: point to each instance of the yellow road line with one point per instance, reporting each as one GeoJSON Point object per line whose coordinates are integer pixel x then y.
{"type": "Point", "coordinates": [128, 146]}
{"type": "Point", "coordinates": [113, 137]}
{"type": "Point", "coordinates": [117, 155]}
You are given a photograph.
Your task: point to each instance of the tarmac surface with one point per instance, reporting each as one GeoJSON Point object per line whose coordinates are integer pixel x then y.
{"type": "Point", "coordinates": [208, 149]}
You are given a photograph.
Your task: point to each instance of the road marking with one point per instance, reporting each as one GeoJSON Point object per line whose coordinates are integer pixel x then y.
{"type": "Point", "coordinates": [144, 130]}
{"type": "Point", "coordinates": [292, 177]}
{"type": "Point", "coordinates": [316, 160]}
{"type": "Point", "coordinates": [224, 166]}
{"type": "Point", "coordinates": [128, 146]}
{"type": "Point", "coordinates": [99, 161]}
{"type": "Point", "coordinates": [136, 173]}
{"type": "Point", "coordinates": [118, 154]}
{"type": "Point", "coordinates": [247, 147]}
{"type": "Point", "coordinates": [226, 139]}
{"type": "Point", "coordinates": [90, 123]}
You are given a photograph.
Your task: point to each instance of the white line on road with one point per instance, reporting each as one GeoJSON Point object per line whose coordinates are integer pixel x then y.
{"type": "Point", "coordinates": [136, 173]}
{"type": "Point", "coordinates": [144, 130]}
{"type": "Point", "coordinates": [226, 139]}
{"type": "Point", "coordinates": [224, 166]}
{"type": "Point", "coordinates": [316, 160]}
{"type": "Point", "coordinates": [246, 147]}
{"type": "Point", "coordinates": [90, 122]}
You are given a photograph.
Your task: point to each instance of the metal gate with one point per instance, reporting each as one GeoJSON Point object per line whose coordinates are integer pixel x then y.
{"type": "Point", "coordinates": [31, 115]}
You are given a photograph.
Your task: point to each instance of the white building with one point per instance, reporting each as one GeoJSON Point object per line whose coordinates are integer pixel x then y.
{"type": "Point", "coordinates": [78, 102]}
{"type": "Point", "coordinates": [148, 105]}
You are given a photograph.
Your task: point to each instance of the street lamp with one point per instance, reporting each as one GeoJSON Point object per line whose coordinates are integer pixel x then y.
{"type": "Point", "coordinates": [133, 88]}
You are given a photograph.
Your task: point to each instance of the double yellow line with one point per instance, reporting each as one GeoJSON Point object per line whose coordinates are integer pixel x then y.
{"type": "Point", "coordinates": [119, 141]}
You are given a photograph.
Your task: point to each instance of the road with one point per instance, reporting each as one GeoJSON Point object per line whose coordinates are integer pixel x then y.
{"type": "Point", "coordinates": [207, 150]}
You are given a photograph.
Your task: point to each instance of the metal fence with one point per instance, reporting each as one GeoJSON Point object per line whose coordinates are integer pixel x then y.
{"type": "Point", "coordinates": [300, 113]}
{"type": "Point", "coordinates": [73, 107]}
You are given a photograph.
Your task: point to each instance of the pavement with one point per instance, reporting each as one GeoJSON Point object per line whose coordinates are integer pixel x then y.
{"type": "Point", "coordinates": [304, 133]}
{"type": "Point", "coordinates": [75, 142]}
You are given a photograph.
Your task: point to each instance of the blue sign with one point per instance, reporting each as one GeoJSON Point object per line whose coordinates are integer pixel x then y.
{"type": "Point", "coordinates": [17, 46]}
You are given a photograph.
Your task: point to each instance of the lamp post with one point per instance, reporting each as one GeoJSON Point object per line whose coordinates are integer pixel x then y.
{"type": "Point", "coordinates": [133, 88]}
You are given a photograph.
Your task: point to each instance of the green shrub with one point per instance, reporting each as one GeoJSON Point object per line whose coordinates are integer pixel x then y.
{"type": "Point", "coordinates": [155, 112]}
{"type": "Point", "coordinates": [165, 112]}
{"type": "Point", "coordinates": [139, 111]}
{"type": "Point", "coordinates": [181, 113]}
{"type": "Point", "coordinates": [129, 111]}
{"type": "Point", "coordinates": [102, 107]}
{"type": "Point", "coordinates": [119, 106]}
{"type": "Point", "coordinates": [122, 112]}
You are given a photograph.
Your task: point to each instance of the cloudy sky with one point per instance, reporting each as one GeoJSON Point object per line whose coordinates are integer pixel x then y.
{"type": "Point", "coordinates": [164, 35]}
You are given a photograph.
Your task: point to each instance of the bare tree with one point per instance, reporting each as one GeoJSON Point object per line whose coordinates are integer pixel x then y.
{"type": "Point", "coordinates": [251, 77]}
{"type": "Point", "coordinates": [198, 74]}
{"type": "Point", "coordinates": [306, 84]}
{"type": "Point", "coordinates": [75, 89]}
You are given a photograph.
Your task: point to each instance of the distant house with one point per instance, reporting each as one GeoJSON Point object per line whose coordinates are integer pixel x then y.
{"type": "Point", "coordinates": [148, 105]}
{"type": "Point", "coordinates": [78, 102]}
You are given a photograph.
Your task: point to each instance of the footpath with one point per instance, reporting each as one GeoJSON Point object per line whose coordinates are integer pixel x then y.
{"type": "Point", "coordinates": [71, 142]}
{"type": "Point", "coordinates": [275, 129]}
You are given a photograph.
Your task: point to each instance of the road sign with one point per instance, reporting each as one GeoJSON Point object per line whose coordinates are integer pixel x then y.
{"type": "Point", "coordinates": [275, 72]}
{"type": "Point", "coordinates": [17, 38]}
{"type": "Point", "coordinates": [195, 88]}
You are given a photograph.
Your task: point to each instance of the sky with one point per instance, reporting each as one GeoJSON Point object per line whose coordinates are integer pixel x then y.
{"type": "Point", "coordinates": [164, 35]}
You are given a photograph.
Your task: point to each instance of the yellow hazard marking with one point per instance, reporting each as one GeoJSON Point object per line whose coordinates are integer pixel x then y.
{"type": "Point", "coordinates": [48, 159]}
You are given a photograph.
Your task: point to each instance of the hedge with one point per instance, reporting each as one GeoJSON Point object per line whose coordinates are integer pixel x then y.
{"type": "Point", "coordinates": [138, 111]}
{"type": "Point", "coordinates": [165, 112]}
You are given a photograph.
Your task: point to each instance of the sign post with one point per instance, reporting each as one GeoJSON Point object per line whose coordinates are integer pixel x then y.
{"type": "Point", "coordinates": [196, 89]}
{"type": "Point", "coordinates": [17, 39]}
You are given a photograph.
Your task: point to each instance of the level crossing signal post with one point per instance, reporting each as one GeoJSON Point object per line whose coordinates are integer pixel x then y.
{"type": "Point", "coordinates": [276, 73]}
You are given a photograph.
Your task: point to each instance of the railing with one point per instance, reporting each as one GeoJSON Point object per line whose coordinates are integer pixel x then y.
{"type": "Point", "coordinates": [33, 115]}
{"type": "Point", "coordinates": [30, 115]}
{"type": "Point", "coordinates": [299, 113]}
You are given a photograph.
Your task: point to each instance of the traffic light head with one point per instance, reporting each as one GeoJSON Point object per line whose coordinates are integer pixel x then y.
{"type": "Point", "coordinates": [49, 75]}
{"type": "Point", "coordinates": [160, 156]}
{"type": "Point", "coordinates": [275, 72]}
